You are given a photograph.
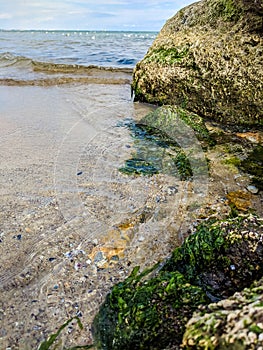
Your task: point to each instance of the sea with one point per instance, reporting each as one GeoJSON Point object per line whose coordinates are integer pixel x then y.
{"type": "Point", "coordinates": [26, 55]}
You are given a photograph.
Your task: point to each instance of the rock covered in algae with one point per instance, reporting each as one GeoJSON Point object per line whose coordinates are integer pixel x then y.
{"type": "Point", "coordinates": [168, 140]}
{"type": "Point", "coordinates": [147, 314]}
{"type": "Point", "coordinates": [150, 310]}
{"type": "Point", "coordinates": [222, 257]}
{"type": "Point", "coordinates": [208, 59]}
{"type": "Point", "coordinates": [176, 122]}
{"type": "Point", "coordinates": [235, 323]}
{"type": "Point", "coordinates": [253, 165]}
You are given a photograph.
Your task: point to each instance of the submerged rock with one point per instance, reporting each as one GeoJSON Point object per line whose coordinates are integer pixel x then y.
{"type": "Point", "coordinates": [178, 124]}
{"type": "Point", "coordinates": [167, 141]}
{"type": "Point", "coordinates": [208, 59]}
{"type": "Point", "coordinates": [253, 165]}
{"type": "Point", "coordinates": [150, 310]}
{"type": "Point", "coordinates": [147, 314]}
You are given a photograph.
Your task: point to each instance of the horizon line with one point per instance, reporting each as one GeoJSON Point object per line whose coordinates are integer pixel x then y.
{"type": "Point", "coordinates": [78, 30]}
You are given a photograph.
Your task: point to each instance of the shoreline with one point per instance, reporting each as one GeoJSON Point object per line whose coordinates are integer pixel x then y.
{"type": "Point", "coordinates": [50, 267]}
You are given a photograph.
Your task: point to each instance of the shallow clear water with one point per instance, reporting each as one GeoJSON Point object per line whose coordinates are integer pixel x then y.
{"type": "Point", "coordinates": [62, 195]}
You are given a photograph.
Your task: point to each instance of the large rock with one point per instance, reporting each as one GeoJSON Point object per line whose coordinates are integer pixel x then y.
{"type": "Point", "coordinates": [208, 59]}
{"type": "Point", "coordinates": [150, 311]}
{"type": "Point", "coordinates": [235, 323]}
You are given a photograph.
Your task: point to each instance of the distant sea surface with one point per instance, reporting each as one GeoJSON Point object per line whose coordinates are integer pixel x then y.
{"type": "Point", "coordinates": [28, 55]}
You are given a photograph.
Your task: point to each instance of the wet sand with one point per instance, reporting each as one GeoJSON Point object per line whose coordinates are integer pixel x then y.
{"type": "Point", "coordinates": [41, 126]}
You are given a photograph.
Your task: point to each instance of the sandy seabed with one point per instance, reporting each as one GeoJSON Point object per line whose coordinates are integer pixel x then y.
{"type": "Point", "coordinates": [63, 199]}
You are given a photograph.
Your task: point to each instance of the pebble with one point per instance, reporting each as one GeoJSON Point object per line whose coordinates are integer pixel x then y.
{"type": "Point", "coordinates": [172, 190]}
{"type": "Point", "coordinates": [51, 259]}
{"type": "Point", "coordinates": [77, 266]}
{"type": "Point", "coordinates": [252, 189]}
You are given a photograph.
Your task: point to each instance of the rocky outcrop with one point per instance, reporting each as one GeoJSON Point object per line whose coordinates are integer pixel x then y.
{"type": "Point", "coordinates": [150, 311]}
{"type": "Point", "coordinates": [234, 323]}
{"type": "Point", "coordinates": [208, 59]}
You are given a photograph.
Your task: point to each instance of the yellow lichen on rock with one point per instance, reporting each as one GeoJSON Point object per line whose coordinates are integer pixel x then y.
{"type": "Point", "coordinates": [240, 199]}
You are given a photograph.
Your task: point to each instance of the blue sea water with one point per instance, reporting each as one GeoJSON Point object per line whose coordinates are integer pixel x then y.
{"type": "Point", "coordinates": [99, 48]}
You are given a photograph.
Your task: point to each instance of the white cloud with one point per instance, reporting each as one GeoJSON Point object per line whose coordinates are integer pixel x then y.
{"type": "Point", "coordinates": [87, 14]}
{"type": "Point", "coordinates": [5, 16]}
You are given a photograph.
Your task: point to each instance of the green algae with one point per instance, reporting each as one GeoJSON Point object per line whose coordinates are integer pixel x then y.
{"type": "Point", "coordinates": [167, 118]}
{"type": "Point", "coordinates": [221, 257]}
{"type": "Point", "coordinates": [229, 10]}
{"type": "Point", "coordinates": [253, 165]}
{"type": "Point", "coordinates": [187, 259]}
{"type": "Point", "coordinates": [150, 311]}
{"type": "Point", "coordinates": [255, 329]}
{"type": "Point", "coordinates": [235, 161]}
{"type": "Point", "coordinates": [155, 152]}
{"type": "Point", "coordinates": [146, 314]}
{"type": "Point", "coordinates": [183, 166]}
{"type": "Point", "coordinates": [139, 167]}
{"type": "Point", "coordinates": [50, 343]}
{"type": "Point", "coordinates": [167, 56]}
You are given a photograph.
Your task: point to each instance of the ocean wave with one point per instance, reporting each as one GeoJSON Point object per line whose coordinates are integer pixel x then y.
{"type": "Point", "coordinates": [23, 71]}
{"type": "Point", "coordinates": [7, 59]}
{"type": "Point", "coordinates": [65, 80]}
{"type": "Point", "coordinates": [127, 61]}
{"type": "Point", "coordinates": [50, 74]}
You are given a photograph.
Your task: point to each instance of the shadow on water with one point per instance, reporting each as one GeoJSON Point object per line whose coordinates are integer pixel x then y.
{"type": "Point", "coordinates": [154, 152]}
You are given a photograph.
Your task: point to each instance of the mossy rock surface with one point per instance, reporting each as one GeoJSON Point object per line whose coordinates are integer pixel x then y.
{"type": "Point", "coordinates": [222, 257]}
{"type": "Point", "coordinates": [150, 310]}
{"type": "Point", "coordinates": [177, 122]}
{"type": "Point", "coordinates": [169, 141]}
{"type": "Point", "coordinates": [208, 58]}
{"type": "Point", "coordinates": [147, 314]}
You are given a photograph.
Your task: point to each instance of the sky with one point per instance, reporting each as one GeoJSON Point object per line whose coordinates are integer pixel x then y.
{"type": "Point", "coordinates": [88, 14]}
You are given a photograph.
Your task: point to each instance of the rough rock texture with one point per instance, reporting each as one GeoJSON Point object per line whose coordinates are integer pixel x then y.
{"type": "Point", "coordinates": [222, 257]}
{"type": "Point", "coordinates": [208, 59]}
{"type": "Point", "coordinates": [235, 323]}
{"type": "Point", "coordinates": [151, 311]}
